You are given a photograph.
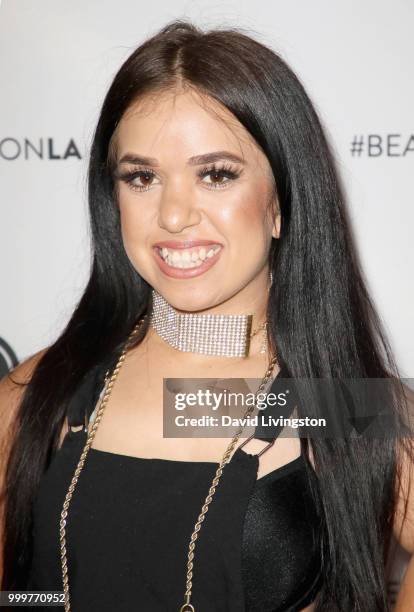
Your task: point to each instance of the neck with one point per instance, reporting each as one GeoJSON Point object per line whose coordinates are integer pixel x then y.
{"type": "Point", "coordinates": [207, 332]}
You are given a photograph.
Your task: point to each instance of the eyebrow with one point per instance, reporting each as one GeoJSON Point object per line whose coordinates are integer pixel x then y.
{"type": "Point", "coordinates": [197, 160]}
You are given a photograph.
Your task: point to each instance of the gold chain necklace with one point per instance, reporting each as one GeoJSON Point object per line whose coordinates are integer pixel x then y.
{"type": "Point", "coordinates": [259, 328]}
{"type": "Point", "coordinates": [187, 606]}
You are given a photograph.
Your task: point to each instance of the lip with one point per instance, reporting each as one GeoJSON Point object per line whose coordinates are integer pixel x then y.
{"type": "Point", "coordinates": [184, 244]}
{"type": "Point", "coordinates": [183, 273]}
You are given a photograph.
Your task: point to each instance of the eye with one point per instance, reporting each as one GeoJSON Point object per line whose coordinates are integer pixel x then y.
{"type": "Point", "coordinates": [138, 180]}
{"type": "Point", "coordinates": [220, 175]}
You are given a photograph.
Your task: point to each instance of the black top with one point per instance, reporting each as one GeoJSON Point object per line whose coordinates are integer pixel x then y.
{"type": "Point", "coordinates": [130, 521]}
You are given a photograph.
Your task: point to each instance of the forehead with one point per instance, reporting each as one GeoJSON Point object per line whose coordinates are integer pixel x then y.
{"type": "Point", "coordinates": [185, 122]}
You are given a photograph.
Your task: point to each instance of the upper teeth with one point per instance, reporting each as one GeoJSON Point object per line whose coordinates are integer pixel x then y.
{"type": "Point", "coordinates": [188, 258]}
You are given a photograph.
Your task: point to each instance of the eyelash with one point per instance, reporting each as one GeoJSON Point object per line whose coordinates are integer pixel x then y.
{"type": "Point", "coordinates": [224, 170]}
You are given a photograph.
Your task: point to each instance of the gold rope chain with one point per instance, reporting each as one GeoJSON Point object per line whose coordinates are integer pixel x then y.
{"type": "Point", "coordinates": [261, 327]}
{"type": "Point", "coordinates": [187, 606]}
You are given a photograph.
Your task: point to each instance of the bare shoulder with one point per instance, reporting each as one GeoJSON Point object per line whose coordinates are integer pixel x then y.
{"type": "Point", "coordinates": [12, 388]}
{"type": "Point", "coordinates": [404, 515]}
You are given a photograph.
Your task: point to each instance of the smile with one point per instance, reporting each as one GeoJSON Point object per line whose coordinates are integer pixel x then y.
{"type": "Point", "coordinates": [188, 258]}
{"type": "Point", "coordinates": [187, 263]}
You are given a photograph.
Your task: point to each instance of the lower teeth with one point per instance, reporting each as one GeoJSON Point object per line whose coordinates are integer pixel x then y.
{"type": "Point", "coordinates": [193, 264]}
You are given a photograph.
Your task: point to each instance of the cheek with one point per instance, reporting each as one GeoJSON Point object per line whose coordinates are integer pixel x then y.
{"type": "Point", "coordinates": [133, 224]}
{"type": "Point", "coordinates": [258, 216]}
{"type": "Point", "coordinates": [244, 220]}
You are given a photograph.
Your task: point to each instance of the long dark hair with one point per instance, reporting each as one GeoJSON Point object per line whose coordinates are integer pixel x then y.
{"type": "Point", "coordinates": [322, 320]}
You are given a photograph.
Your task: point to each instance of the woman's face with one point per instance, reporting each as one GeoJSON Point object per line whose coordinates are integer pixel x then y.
{"type": "Point", "coordinates": [193, 190]}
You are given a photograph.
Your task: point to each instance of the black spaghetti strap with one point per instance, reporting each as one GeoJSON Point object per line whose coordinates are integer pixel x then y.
{"type": "Point", "coordinates": [282, 384]}
{"type": "Point", "coordinates": [82, 403]}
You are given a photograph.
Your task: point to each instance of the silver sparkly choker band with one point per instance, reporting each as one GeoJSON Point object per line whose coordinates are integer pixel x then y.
{"type": "Point", "coordinates": [224, 335]}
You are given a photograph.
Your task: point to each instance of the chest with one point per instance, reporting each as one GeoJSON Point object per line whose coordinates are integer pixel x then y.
{"type": "Point", "coordinates": [142, 403]}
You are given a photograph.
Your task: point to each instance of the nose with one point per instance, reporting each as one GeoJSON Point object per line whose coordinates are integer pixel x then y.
{"type": "Point", "coordinates": [177, 209]}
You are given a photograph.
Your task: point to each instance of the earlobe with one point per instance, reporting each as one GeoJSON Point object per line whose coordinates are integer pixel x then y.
{"type": "Point", "coordinates": [276, 228]}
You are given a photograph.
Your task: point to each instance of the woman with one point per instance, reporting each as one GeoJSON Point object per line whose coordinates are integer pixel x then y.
{"type": "Point", "coordinates": [209, 174]}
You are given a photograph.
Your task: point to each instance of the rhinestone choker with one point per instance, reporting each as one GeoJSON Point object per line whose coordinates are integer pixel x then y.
{"type": "Point", "coordinates": [224, 335]}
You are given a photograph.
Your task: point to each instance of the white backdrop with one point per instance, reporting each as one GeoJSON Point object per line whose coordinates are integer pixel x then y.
{"type": "Point", "coordinates": [56, 61]}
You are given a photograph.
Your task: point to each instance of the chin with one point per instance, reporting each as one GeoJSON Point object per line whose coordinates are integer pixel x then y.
{"type": "Point", "coordinates": [188, 301]}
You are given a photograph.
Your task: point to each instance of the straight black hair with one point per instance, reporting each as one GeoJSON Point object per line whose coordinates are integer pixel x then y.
{"type": "Point", "coordinates": [322, 320]}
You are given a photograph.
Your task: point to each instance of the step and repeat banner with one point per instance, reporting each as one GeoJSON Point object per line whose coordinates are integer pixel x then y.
{"type": "Point", "coordinates": [58, 58]}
